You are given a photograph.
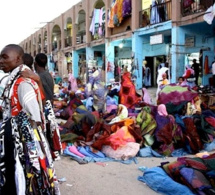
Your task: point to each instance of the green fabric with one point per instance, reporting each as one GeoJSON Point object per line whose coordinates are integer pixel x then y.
{"type": "Point", "coordinates": [69, 137]}
{"type": "Point", "coordinates": [169, 89]}
{"type": "Point", "coordinates": [147, 125]}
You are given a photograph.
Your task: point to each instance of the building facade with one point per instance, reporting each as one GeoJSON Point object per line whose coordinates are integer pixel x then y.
{"type": "Point", "coordinates": [116, 34]}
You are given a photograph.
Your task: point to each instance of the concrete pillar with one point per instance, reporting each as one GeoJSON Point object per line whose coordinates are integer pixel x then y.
{"type": "Point", "coordinates": [110, 56]}
{"type": "Point", "coordinates": [73, 27]}
{"type": "Point", "coordinates": [178, 53]}
{"type": "Point", "coordinates": [42, 40]}
{"type": "Point", "coordinates": [32, 45]}
{"type": "Point", "coordinates": [89, 54]}
{"type": "Point", "coordinates": [176, 15]}
{"type": "Point", "coordinates": [136, 8]}
{"type": "Point", "coordinates": [36, 42]}
{"type": "Point", "coordinates": [62, 32]}
{"type": "Point", "coordinates": [87, 20]}
{"type": "Point", "coordinates": [107, 30]}
{"type": "Point", "coordinates": [75, 59]}
{"type": "Point", "coordinates": [137, 48]}
{"type": "Point", "coordinates": [49, 36]}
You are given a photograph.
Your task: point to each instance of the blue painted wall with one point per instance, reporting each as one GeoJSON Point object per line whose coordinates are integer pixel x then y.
{"type": "Point", "coordinates": [75, 59]}
{"type": "Point", "coordinates": [204, 38]}
{"type": "Point", "coordinates": [110, 56]}
{"type": "Point", "coordinates": [137, 48]}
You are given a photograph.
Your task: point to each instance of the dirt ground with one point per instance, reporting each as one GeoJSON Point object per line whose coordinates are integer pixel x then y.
{"type": "Point", "coordinates": [110, 178]}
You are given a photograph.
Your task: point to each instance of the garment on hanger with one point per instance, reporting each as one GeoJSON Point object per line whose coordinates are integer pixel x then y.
{"type": "Point", "coordinates": [111, 15]}
{"type": "Point", "coordinates": [126, 8]}
{"type": "Point", "coordinates": [102, 22]}
{"type": "Point", "coordinates": [155, 18]}
{"type": "Point", "coordinates": [92, 25]}
{"type": "Point", "coordinates": [206, 66]}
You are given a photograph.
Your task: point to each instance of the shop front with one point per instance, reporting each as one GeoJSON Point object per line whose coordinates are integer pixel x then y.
{"type": "Point", "coordinates": [119, 59]}
{"type": "Point", "coordinates": [197, 45]}
{"type": "Point", "coordinates": [151, 49]}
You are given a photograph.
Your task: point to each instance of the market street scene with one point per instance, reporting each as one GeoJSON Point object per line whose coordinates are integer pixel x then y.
{"type": "Point", "coordinates": [109, 97]}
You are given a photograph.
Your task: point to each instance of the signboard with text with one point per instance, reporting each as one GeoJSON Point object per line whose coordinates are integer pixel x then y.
{"type": "Point", "coordinates": [156, 39]}
{"type": "Point", "coordinates": [189, 41]}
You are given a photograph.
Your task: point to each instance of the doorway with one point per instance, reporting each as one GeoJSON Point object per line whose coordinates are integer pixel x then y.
{"type": "Point", "coordinates": [153, 63]}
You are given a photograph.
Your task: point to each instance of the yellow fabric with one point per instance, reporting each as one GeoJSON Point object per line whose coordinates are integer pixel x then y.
{"type": "Point", "coordinates": [165, 82]}
{"type": "Point", "coordinates": [110, 22]}
{"type": "Point", "coordinates": [146, 4]}
{"type": "Point", "coordinates": [119, 10]}
{"type": "Point", "coordinates": [50, 173]}
{"type": "Point", "coordinates": [36, 134]}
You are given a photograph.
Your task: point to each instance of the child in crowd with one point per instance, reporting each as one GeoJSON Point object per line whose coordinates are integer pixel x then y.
{"type": "Point", "coordinates": [164, 80]}
{"type": "Point", "coordinates": [181, 81]}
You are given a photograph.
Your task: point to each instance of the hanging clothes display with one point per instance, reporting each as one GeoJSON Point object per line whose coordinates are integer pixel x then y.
{"type": "Point", "coordinates": [206, 66]}
{"type": "Point", "coordinates": [187, 3]}
{"type": "Point", "coordinates": [111, 15]}
{"type": "Point", "coordinates": [126, 8]}
{"type": "Point", "coordinates": [94, 27]}
{"type": "Point", "coordinates": [97, 27]}
{"type": "Point", "coordinates": [102, 22]}
{"type": "Point", "coordinates": [118, 11]}
{"type": "Point", "coordinates": [116, 14]}
{"type": "Point", "coordinates": [155, 18]}
{"type": "Point", "coordinates": [162, 11]}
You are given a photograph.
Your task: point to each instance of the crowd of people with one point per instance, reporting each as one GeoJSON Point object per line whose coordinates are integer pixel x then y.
{"type": "Point", "coordinates": [98, 120]}
{"type": "Point", "coordinates": [29, 136]}
{"type": "Point", "coordinates": [189, 78]}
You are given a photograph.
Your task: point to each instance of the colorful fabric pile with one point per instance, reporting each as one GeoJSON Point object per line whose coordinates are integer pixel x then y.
{"type": "Point", "coordinates": [175, 124]}
{"type": "Point", "coordinates": [186, 175]}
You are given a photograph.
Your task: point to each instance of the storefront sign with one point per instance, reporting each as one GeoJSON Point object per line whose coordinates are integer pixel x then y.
{"type": "Point", "coordinates": [190, 42]}
{"type": "Point", "coordinates": [156, 39]}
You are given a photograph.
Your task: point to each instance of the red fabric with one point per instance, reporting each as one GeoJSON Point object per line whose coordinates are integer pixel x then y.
{"type": "Point", "coordinates": [43, 163]}
{"type": "Point", "coordinates": [196, 163]}
{"type": "Point", "coordinates": [211, 121]}
{"type": "Point", "coordinates": [42, 95]}
{"type": "Point", "coordinates": [120, 138]}
{"type": "Point", "coordinates": [187, 73]}
{"type": "Point", "coordinates": [64, 145]}
{"type": "Point", "coordinates": [56, 143]}
{"type": "Point", "coordinates": [187, 3]}
{"type": "Point", "coordinates": [127, 94]}
{"type": "Point", "coordinates": [15, 104]}
{"type": "Point", "coordinates": [206, 65]}
{"type": "Point", "coordinates": [192, 135]}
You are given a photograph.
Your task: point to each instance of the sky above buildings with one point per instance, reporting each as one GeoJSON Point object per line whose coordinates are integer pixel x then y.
{"type": "Point", "coordinates": [21, 18]}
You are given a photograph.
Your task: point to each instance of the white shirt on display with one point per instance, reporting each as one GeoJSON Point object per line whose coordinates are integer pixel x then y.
{"type": "Point", "coordinates": [213, 68]}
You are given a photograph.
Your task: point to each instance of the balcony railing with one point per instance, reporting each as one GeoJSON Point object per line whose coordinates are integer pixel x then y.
{"type": "Point", "coordinates": [45, 49]}
{"type": "Point", "coordinates": [189, 7]}
{"type": "Point", "coordinates": [39, 49]}
{"type": "Point", "coordinates": [68, 41]}
{"type": "Point", "coordinates": [156, 14]}
{"type": "Point", "coordinates": [54, 46]}
{"type": "Point", "coordinates": [80, 38]}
